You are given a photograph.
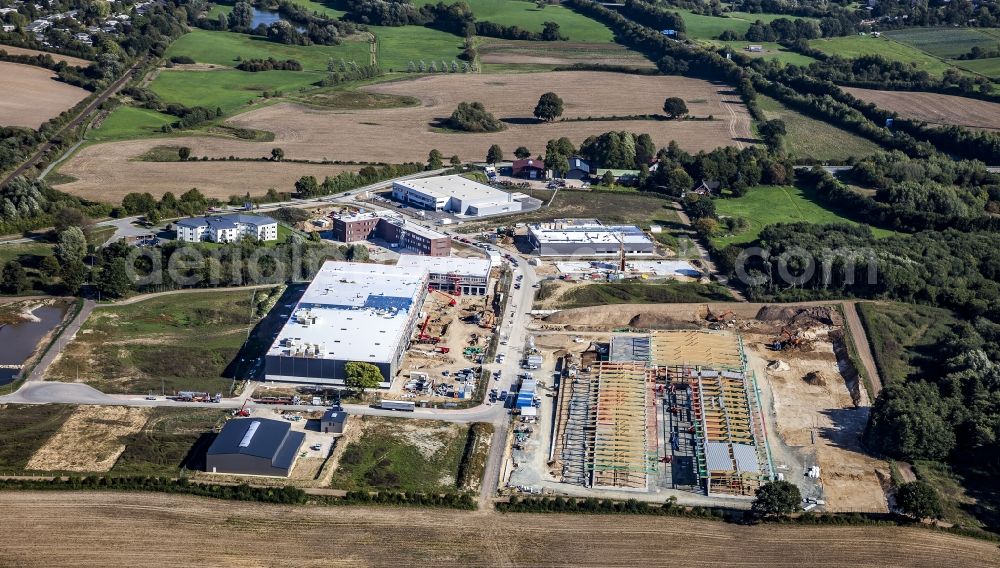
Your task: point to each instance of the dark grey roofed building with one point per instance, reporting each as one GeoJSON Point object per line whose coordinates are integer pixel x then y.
{"type": "Point", "coordinates": [254, 446]}
{"type": "Point", "coordinates": [333, 422]}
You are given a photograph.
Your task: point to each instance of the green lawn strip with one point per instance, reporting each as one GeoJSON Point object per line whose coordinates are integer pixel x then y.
{"type": "Point", "coordinates": [947, 43]}
{"type": "Point", "coordinates": [401, 454]}
{"type": "Point", "coordinates": [769, 205]}
{"type": "Point", "coordinates": [127, 122]}
{"type": "Point", "coordinates": [528, 16]}
{"type": "Point", "coordinates": [772, 50]}
{"type": "Point", "coordinates": [808, 137]}
{"type": "Point", "coordinates": [855, 46]}
{"type": "Point", "coordinates": [229, 90]}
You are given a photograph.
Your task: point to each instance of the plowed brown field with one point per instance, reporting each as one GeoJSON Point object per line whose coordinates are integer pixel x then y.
{"type": "Point", "coordinates": [31, 95]}
{"type": "Point", "coordinates": [104, 172]}
{"type": "Point", "coordinates": [146, 529]}
{"type": "Point", "coordinates": [934, 108]}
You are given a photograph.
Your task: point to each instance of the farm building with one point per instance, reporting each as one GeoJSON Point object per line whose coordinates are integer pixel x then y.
{"type": "Point", "coordinates": [452, 274]}
{"type": "Point", "coordinates": [226, 228]}
{"type": "Point", "coordinates": [350, 312]}
{"type": "Point", "coordinates": [455, 194]}
{"type": "Point", "coordinates": [333, 421]}
{"type": "Point", "coordinates": [393, 228]}
{"type": "Point", "coordinates": [578, 168]}
{"type": "Point", "coordinates": [587, 237]}
{"type": "Point", "coordinates": [621, 176]}
{"type": "Point", "coordinates": [254, 446]}
{"type": "Point", "coordinates": [528, 168]}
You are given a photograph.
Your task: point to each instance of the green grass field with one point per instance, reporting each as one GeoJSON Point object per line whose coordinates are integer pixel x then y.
{"type": "Point", "coordinates": [229, 90]}
{"type": "Point", "coordinates": [898, 334]}
{"type": "Point", "coordinates": [166, 440]}
{"type": "Point", "coordinates": [698, 26]}
{"type": "Point", "coordinates": [988, 67]}
{"type": "Point", "coordinates": [398, 46]}
{"type": "Point", "coordinates": [945, 42]}
{"type": "Point", "coordinates": [772, 50]}
{"type": "Point", "coordinates": [130, 122]}
{"type": "Point", "coordinates": [222, 48]}
{"type": "Point", "coordinates": [400, 454]}
{"type": "Point", "coordinates": [856, 46]}
{"type": "Point", "coordinates": [24, 429]}
{"type": "Point", "coordinates": [769, 205]}
{"type": "Point", "coordinates": [184, 340]}
{"type": "Point", "coordinates": [585, 295]}
{"type": "Point", "coordinates": [526, 15]}
{"type": "Point", "coordinates": [810, 138]}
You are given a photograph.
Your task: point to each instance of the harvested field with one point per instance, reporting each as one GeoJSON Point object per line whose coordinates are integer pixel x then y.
{"type": "Point", "coordinates": [74, 61]}
{"type": "Point", "coordinates": [406, 134]}
{"type": "Point", "coordinates": [106, 172]}
{"type": "Point", "coordinates": [934, 108]}
{"type": "Point", "coordinates": [529, 52]}
{"type": "Point", "coordinates": [90, 440]}
{"type": "Point", "coordinates": [31, 95]}
{"type": "Point", "coordinates": [86, 528]}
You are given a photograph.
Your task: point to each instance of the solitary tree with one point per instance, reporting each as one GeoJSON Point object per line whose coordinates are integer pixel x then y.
{"type": "Point", "coordinates": [153, 217]}
{"type": "Point", "coordinates": [277, 154]}
{"type": "Point", "coordinates": [361, 376]}
{"type": "Point", "coordinates": [521, 153]}
{"type": "Point", "coordinates": [919, 499]}
{"type": "Point", "coordinates": [494, 154]}
{"type": "Point", "coordinates": [184, 153]}
{"type": "Point", "coordinates": [307, 186]}
{"type": "Point", "coordinates": [675, 107]}
{"type": "Point", "coordinates": [549, 107]}
{"type": "Point", "coordinates": [608, 178]}
{"type": "Point", "coordinates": [15, 280]}
{"type": "Point", "coordinates": [776, 498]}
{"type": "Point", "coordinates": [72, 245]}
{"type": "Point", "coordinates": [435, 159]}
{"type": "Point", "coordinates": [455, 161]}
{"type": "Point", "coordinates": [115, 280]}
{"type": "Point", "coordinates": [73, 274]}
{"type": "Point", "coordinates": [70, 217]}
{"type": "Point", "coordinates": [49, 266]}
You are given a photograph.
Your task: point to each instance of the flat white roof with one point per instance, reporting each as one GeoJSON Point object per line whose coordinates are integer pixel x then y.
{"type": "Point", "coordinates": [458, 187]}
{"type": "Point", "coordinates": [351, 311]}
{"type": "Point", "coordinates": [587, 232]}
{"type": "Point", "coordinates": [446, 265]}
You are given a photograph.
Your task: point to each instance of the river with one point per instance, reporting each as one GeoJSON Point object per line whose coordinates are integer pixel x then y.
{"type": "Point", "coordinates": [19, 340]}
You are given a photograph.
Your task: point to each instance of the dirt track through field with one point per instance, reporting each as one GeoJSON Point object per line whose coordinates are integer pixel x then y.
{"type": "Point", "coordinates": [106, 173]}
{"type": "Point", "coordinates": [140, 529]}
{"type": "Point", "coordinates": [934, 108]}
{"type": "Point", "coordinates": [405, 134]}
{"type": "Point", "coordinates": [31, 95]}
{"type": "Point", "coordinates": [75, 61]}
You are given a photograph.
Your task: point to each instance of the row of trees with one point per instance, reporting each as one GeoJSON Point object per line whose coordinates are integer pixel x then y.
{"type": "Point", "coordinates": [308, 186]}
{"type": "Point", "coordinates": [269, 64]}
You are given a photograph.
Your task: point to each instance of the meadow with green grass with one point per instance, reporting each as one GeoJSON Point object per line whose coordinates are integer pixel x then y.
{"type": "Point", "coordinates": [989, 67]}
{"type": "Point", "coordinates": [398, 46]}
{"type": "Point", "coordinates": [772, 50]}
{"type": "Point", "coordinates": [698, 26]}
{"type": "Point", "coordinates": [769, 205]}
{"type": "Point", "coordinates": [947, 43]}
{"type": "Point", "coordinates": [223, 48]}
{"type": "Point", "coordinates": [901, 335]}
{"type": "Point", "coordinates": [528, 16]}
{"type": "Point", "coordinates": [399, 454]}
{"type": "Point", "coordinates": [129, 122]}
{"type": "Point", "coordinates": [810, 138]}
{"type": "Point", "coordinates": [175, 342]}
{"type": "Point", "coordinates": [856, 46]}
{"type": "Point", "coordinates": [229, 90]}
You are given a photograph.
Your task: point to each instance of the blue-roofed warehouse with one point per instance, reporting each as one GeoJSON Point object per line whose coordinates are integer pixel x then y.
{"type": "Point", "coordinates": [526, 396]}
{"type": "Point", "coordinates": [254, 446]}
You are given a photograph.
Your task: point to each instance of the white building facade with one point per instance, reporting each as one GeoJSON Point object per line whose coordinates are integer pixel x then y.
{"type": "Point", "coordinates": [227, 229]}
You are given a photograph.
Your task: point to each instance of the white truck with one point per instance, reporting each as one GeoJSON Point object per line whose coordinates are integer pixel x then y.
{"type": "Point", "coordinates": [317, 401]}
{"type": "Point", "coordinates": [400, 405]}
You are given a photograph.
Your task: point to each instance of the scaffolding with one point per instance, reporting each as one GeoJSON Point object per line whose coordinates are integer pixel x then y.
{"type": "Point", "coordinates": [719, 350]}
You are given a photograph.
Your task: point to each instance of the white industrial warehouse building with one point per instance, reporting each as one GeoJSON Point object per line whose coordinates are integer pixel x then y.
{"type": "Point", "coordinates": [455, 194]}
{"type": "Point", "coordinates": [350, 312]}
{"type": "Point", "coordinates": [587, 238]}
{"type": "Point", "coordinates": [452, 274]}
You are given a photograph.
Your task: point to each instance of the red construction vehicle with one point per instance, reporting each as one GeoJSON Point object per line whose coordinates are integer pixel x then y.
{"type": "Point", "coordinates": [788, 340]}
{"type": "Point", "coordinates": [423, 336]}
{"type": "Point", "coordinates": [242, 412]}
{"type": "Point", "coordinates": [442, 349]}
{"type": "Point", "coordinates": [451, 301]}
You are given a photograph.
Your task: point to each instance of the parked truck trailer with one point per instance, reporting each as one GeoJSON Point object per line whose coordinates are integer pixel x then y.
{"type": "Point", "coordinates": [401, 405]}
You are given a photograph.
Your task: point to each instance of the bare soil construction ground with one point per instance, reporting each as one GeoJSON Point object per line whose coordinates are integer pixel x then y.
{"type": "Point", "coordinates": [75, 61]}
{"type": "Point", "coordinates": [406, 134]}
{"type": "Point", "coordinates": [107, 172]}
{"type": "Point", "coordinates": [129, 529]}
{"type": "Point", "coordinates": [90, 440]}
{"type": "Point", "coordinates": [934, 108]}
{"type": "Point", "coordinates": [31, 95]}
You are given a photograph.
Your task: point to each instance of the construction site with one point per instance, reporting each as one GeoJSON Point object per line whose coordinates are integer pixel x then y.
{"type": "Point", "coordinates": [702, 403]}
